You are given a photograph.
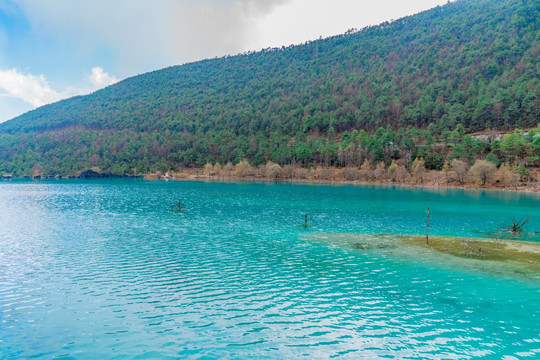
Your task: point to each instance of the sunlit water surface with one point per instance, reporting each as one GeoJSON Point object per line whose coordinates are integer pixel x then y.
{"type": "Point", "coordinates": [104, 269]}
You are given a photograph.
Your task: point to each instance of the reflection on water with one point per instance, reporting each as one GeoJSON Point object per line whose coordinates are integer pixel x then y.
{"type": "Point", "coordinates": [104, 269]}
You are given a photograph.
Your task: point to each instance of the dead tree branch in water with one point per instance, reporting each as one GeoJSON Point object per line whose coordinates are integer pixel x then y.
{"type": "Point", "coordinates": [517, 226]}
{"type": "Point", "coordinates": [427, 227]}
{"type": "Point", "coordinates": [178, 207]}
{"type": "Point", "coordinates": [306, 223]}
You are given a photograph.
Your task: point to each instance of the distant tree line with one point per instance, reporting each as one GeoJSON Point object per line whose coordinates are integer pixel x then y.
{"type": "Point", "coordinates": [68, 152]}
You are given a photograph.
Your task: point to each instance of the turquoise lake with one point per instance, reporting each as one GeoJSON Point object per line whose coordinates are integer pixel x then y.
{"type": "Point", "coordinates": [104, 270]}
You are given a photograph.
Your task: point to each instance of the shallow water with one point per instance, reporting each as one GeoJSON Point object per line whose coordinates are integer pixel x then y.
{"type": "Point", "coordinates": [103, 269]}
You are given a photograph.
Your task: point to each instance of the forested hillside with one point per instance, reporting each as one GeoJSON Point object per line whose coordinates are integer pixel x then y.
{"type": "Point", "coordinates": [401, 90]}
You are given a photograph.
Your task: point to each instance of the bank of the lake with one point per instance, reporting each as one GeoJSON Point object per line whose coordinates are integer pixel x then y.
{"type": "Point", "coordinates": [431, 179]}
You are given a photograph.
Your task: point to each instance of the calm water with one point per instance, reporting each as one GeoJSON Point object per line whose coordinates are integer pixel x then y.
{"type": "Point", "coordinates": [103, 270]}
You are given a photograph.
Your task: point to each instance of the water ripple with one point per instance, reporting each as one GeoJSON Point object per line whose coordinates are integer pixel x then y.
{"type": "Point", "coordinates": [101, 270]}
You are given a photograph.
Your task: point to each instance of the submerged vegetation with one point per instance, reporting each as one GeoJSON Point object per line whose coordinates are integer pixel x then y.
{"type": "Point", "coordinates": [503, 249]}
{"type": "Point", "coordinates": [523, 254]}
{"type": "Point", "coordinates": [429, 92]}
{"type": "Point", "coordinates": [520, 258]}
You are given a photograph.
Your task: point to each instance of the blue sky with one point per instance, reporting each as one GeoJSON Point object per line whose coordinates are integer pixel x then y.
{"type": "Point", "coordinates": [53, 49]}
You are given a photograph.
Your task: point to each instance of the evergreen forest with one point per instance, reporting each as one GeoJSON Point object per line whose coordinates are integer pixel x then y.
{"type": "Point", "coordinates": [439, 86]}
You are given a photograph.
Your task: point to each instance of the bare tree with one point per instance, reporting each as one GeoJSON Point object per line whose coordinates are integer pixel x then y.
{"type": "Point", "coordinates": [392, 171]}
{"type": "Point", "coordinates": [301, 173]}
{"type": "Point", "coordinates": [217, 168]}
{"type": "Point", "coordinates": [178, 206]}
{"type": "Point", "coordinates": [447, 171]}
{"type": "Point", "coordinates": [517, 226]}
{"type": "Point", "coordinates": [506, 176]}
{"type": "Point", "coordinates": [459, 170]}
{"type": "Point", "coordinates": [335, 173]}
{"type": "Point", "coordinates": [351, 173]}
{"type": "Point", "coordinates": [418, 170]}
{"type": "Point", "coordinates": [228, 169]}
{"type": "Point", "coordinates": [380, 172]}
{"type": "Point", "coordinates": [427, 226]}
{"type": "Point", "coordinates": [272, 170]}
{"type": "Point", "coordinates": [398, 173]}
{"type": "Point", "coordinates": [243, 169]}
{"type": "Point", "coordinates": [209, 170]}
{"type": "Point", "coordinates": [482, 171]}
{"type": "Point", "coordinates": [321, 173]}
{"type": "Point", "coordinates": [436, 177]}
{"type": "Point", "coordinates": [365, 171]}
{"type": "Point", "coordinates": [287, 171]}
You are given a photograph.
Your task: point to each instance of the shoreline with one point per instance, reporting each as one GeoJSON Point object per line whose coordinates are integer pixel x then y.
{"type": "Point", "coordinates": [262, 180]}
{"type": "Point", "coordinates": [254, 179]}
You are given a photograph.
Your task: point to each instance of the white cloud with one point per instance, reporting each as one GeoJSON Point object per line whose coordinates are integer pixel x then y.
{"type": "Point", "coordinates": [302, 20]}
{"type": "Point", "coordinates": [100, 78]}
{"type": "Point", "coordinates": [143, 35]}
{"type": "Point", "coordinates": [17, 88]}
{"type": "Point", "coordinates": [32, 89]}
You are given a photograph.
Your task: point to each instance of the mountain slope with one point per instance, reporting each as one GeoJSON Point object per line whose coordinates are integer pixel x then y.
{"type": "Point", "coordinates": [474, 63]}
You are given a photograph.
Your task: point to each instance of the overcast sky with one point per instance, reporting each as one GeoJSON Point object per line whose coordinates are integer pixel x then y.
{"type": "Point", "coordinates": [53, 49]}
